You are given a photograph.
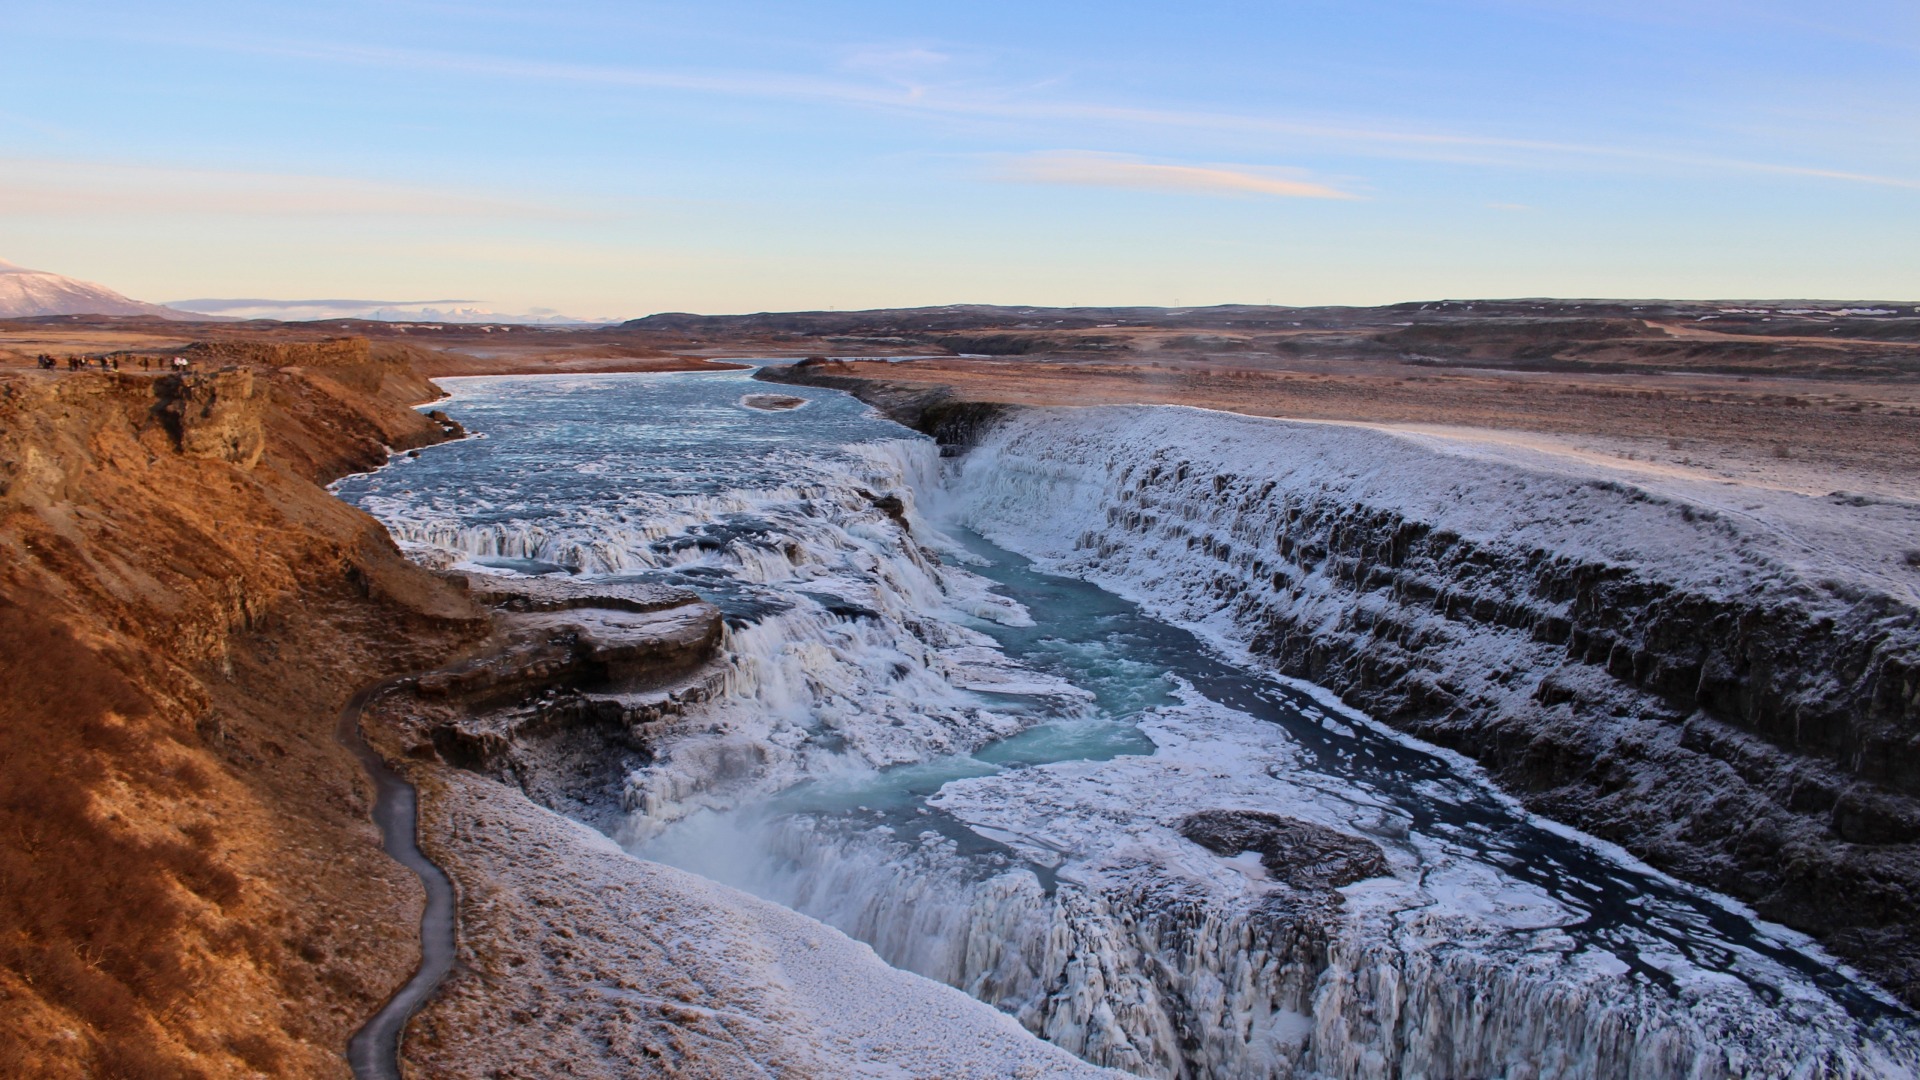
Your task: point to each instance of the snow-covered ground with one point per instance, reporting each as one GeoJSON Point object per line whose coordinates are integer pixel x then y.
{"type": "Point", "coordinates": [1553, 495]}
{"type": "Point", "coordinates": [27, 293]}
{"type": "Point", "coordinates": [578, 959]}
{"type": "Point", "coordinates": [1709, 465]}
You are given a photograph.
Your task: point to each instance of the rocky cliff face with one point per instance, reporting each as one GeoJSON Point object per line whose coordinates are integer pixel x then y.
{"type": "Point", "coordinates": [213, 416]}
{"type": "Point", "coordinates": [572, 697]}
{"type": "Point", "coordinates": [1730, 692]}
{"type": "Point", "coordinates": [190, 886]}
{"type": "Point", "coordinates": [951, 419]}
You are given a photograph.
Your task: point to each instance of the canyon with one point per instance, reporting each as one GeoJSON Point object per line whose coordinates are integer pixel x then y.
{"type": "Point", "coordinates": [1717, 677]}
{"type": "Point", "coordinates": [1722, 681]}
{"type": "Point", "coordinates": [853, 644]}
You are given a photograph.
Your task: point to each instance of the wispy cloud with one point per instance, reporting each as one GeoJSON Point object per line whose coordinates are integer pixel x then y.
{"type": "Point", "coordinates": [49, 187]}
{"type": "Point", "coordinates": [922, 98]}
{"type": "Point", "coordinates": [1085, 169]}
{"type": "Point", "coordinates": [908, 66]}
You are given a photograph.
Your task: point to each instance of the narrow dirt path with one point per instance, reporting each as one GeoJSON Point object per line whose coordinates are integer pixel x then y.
{"type": "Point", "coordinates": [374, 1050]}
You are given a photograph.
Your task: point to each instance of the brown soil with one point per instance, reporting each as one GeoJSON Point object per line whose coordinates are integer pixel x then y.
{"type": "Point", "coordinates": [190, 886]}
{"type": "Point", "coordinates": [457, 351]}
{"type": "Point", "coordinates": [1804, 433]}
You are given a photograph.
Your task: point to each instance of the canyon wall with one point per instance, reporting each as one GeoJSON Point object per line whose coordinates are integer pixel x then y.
{"type": "Point", "coordinates": [190, 886]}
{"type": "Point", "coordinates": [1726, 683]}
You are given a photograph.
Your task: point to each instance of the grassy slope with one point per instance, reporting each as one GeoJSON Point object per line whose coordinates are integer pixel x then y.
{"type": "Point", "coordinates": [188, 885]}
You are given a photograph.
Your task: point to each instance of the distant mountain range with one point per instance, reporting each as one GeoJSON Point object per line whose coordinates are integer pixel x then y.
{"type": "Point", "coordinates": [28, 293]}
{"type": "Point", "coordinates": [434, 311]}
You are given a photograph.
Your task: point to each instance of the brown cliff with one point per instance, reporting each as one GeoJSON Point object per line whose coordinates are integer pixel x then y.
{"type": "Point", "coordinates": [189, 886]}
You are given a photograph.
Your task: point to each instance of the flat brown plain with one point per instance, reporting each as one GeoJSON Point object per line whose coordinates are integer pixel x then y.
{"type": "Point", "coordinates": [1810, 434]}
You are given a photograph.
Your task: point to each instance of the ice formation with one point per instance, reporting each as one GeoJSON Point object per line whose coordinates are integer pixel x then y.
{"type": "Point", "coordinates": [849, 771]}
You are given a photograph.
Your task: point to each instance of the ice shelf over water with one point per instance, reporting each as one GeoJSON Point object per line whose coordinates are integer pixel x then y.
{"type": "Point", "coordinates": [993, 775]}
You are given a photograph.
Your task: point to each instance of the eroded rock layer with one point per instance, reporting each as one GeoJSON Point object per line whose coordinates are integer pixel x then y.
{"type": "Point", "coordinates": [570, 698]}
{"type": "Point", "coordinates": [1724, 682]}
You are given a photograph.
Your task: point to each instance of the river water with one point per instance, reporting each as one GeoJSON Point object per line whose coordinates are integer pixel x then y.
{"type": "Point", "coordinates": [991, 775]}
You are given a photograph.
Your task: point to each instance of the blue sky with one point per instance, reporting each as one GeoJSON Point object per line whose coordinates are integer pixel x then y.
{"type": "Point", "coordinates": [624, 158]}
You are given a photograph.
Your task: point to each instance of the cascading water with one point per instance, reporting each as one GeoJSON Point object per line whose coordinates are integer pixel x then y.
{"type": "Point", "coordinates": [1030, 789]}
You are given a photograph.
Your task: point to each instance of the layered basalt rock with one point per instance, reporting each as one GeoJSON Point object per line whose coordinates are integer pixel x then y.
{"type": "Point", "coordinates": [1713, 693]}
{"type": "Point", "coordinates": [1750, 744]}
{"type": "Point", "coordinates": [953, 421]}
{"type": "Point", "coordinates": [571, 697]}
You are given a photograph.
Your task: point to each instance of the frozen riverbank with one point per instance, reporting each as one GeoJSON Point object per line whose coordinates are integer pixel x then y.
{"type": "Point", "coordinates": [1723, 679]}
{"type": "Point", "coordinates": [1154, 855]}
{"type": "Point", "coordinates": [578, 957]}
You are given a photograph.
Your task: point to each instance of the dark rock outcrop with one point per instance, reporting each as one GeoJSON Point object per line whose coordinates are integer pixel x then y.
{"type": "Point", "coordinates": [213, 416]}
{"type": "Point", "coordinates": [554, 593]}
{"type": "Point", "coordinates": [582, 644]}
{"type": "Point", "coordinates": [1300, 853]}
{"type": "Point", "coordinates": [452, 428]}
{"type": "Point", "coordinates": [570, 699]}
{"type": "Point", "coordinates": [953, 423]}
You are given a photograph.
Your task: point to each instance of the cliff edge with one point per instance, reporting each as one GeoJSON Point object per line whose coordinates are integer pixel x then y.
{"type": "Point", "coordinates": [191, 886]}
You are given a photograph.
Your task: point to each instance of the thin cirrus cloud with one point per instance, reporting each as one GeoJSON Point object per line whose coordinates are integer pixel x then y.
{"type": "Point", "coordinates": [925, 99]}
{"type": "Point", "coordinates": [54, 188]}
{"type": "Point", "coordinates": [1084, 169]}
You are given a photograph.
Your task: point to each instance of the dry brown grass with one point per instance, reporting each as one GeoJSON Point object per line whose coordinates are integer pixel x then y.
{"type": "Point", "coordinates": [1845, 433]}
{"type": "Point", "coordinates": [93, 912]}
{"type": "Point", "coordinates": [188, 885]}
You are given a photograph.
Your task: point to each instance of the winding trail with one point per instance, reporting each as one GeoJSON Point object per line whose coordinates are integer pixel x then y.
{"type": "Point", "coordinates": [374, 1050]}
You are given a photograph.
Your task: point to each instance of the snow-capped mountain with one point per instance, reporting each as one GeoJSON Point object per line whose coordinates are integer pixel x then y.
{"type": "Point", "coordinates": [26, 293]}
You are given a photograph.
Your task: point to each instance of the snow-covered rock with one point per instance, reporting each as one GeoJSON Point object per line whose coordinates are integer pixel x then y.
{"type": "Point", "coordinates": [580, 960]}
{"type": "Point", "coordinates": [1727, 681]}
{"type": "Point", "coordinates": [1392, 916]}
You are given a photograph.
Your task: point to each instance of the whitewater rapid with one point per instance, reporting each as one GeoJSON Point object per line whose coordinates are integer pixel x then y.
{"type": "Point", "coordinates": [995, 776]}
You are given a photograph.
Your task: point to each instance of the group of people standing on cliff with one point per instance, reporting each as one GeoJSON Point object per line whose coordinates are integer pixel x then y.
{"type": "Point", "coordinates": [47, 362]}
